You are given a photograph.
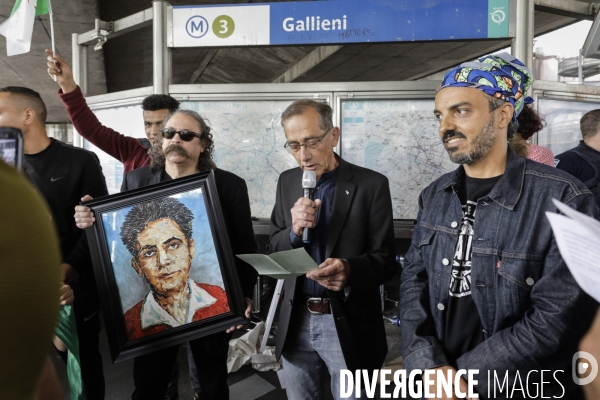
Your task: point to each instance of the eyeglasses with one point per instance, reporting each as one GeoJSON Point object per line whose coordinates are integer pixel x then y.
{"type": "Point", "coordinates": [185, 135]}
{"type": "Point", "coordinates": [294, 147]}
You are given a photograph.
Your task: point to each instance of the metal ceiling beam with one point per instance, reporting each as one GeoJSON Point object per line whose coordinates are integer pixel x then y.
{"type": "Point", "coordinates": [573, 8]}
{"type": "Point", "coordinates": [120, 26]}
{"type": "Point", "coordinates": [447, 64]}
{"type": "Point", "coordinates": [307, 63]}
{"type": "Point", "coordinates": [210, 54]}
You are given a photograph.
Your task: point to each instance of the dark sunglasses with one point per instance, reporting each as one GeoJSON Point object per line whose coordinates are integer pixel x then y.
{"type": "Point", "coordinates": [185, 135]}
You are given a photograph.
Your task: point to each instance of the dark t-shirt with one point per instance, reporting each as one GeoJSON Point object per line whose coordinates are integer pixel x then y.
{"type": "Point", "coordinates": [463, 325]}
{"type": "Point", "coordinates": [574, 164]}
{"type": "Point", "coordinates": [64, 174]}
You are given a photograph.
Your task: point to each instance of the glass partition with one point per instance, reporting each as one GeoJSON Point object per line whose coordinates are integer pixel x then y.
{"type": "Point", "coordinates": [249, 142]}
{"type": "Point", "coordinates": [127, 120]}
{"type": "Point", "coordinates": [388, 127]}
{"type": "Point", "coordinates": [562, 118]}
{"type": "Point", "coordinates": [398, 138]}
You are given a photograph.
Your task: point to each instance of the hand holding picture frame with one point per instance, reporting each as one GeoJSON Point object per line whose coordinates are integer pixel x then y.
{"type": "Point", "coordinates": [163, 265]}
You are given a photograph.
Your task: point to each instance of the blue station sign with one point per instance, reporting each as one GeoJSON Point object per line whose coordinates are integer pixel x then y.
{"type": "Point", "coordinates": [339, 21]}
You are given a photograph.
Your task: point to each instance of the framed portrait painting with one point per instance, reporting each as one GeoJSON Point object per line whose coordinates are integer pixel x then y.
{"type": "Point", "coordinates": [163, 265]}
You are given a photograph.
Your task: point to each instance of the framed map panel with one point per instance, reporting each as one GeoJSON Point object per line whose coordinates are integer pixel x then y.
{"type": "Point", "coordinates": [398, 138]}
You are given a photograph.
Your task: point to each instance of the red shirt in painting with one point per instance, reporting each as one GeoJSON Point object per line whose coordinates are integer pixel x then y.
{"type": "Point", "coordinates": [133, 317]}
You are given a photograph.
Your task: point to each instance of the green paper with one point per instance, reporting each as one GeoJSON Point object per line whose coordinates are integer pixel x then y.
{"type": "Point", "coordinates": [281, 265]}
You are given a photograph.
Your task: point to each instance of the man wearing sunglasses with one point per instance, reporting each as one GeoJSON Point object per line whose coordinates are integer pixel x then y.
{"type": "Point", "coordinates": [186, 149]}
{"type": "Point", "coordinates": [330, 318]}
{"type": "Point", "coordinates": [132, 152]}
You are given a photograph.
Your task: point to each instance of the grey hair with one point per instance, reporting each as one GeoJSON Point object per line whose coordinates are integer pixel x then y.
{"type": "Point", "coordinates": [513, 126]}
{"type": "Point", "coordinates": [299, 107]}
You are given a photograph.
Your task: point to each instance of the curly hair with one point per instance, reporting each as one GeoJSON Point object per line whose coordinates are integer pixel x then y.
{"type": "Point", "coordinates": [205, 162]}
{"type": "Point", "coordinates": [530, 122]}
{"type": "Point", "coordinates": [138, 218]}
{"type": "Point", "coordinates": [160, 102]}
{"type": "Point", "coordinates": [519, 145]}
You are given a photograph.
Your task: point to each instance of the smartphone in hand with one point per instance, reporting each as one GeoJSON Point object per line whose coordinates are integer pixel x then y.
{"type": "Point", "coordinates": [11, 147]}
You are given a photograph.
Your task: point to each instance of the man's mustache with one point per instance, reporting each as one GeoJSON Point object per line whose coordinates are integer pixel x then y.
{"type": "Point", "coordinates": [452, 134]}
{"type": "Point", "coordinates": [177, 149]}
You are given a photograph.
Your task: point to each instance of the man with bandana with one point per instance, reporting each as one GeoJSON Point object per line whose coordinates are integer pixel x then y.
{"type": "Point", "coordinates": [484, 287]}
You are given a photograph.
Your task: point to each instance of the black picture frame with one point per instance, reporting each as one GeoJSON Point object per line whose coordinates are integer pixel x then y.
{"type": "Point", "coordinates": [110, 269]}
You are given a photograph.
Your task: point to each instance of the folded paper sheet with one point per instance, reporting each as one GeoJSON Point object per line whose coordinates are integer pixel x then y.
{"type": "Point", "coordinates": [578, 239]}
{"type": "Point", "coordinates": [281, 265]}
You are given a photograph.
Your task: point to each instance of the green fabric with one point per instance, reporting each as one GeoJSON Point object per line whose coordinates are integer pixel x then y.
{"type": "Point", "coordinates": [40, 9]}
{"type": "Point", "coordinates": [66, 330]}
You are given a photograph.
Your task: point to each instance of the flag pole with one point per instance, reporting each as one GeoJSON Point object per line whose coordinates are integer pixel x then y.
{"type": "Point", "coordinates": [52, 31]}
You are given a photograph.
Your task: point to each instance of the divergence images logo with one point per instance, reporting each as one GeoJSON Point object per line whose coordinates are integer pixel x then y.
{"type": "Point", "coordinates": [196, 26]}
{"type": "Point", "coordinates": [584, 364]}
{"type": "Point", "coordinates": [498, 16]}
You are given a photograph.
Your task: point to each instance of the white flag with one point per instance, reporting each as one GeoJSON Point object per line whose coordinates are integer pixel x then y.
{"type": "Point", "coordinates": [18, 28]}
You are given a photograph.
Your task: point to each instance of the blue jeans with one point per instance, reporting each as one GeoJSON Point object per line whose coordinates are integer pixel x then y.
{"type": "Point", "coordinates": [311, 346]}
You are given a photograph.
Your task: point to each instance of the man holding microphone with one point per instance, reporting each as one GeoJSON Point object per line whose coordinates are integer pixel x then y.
{"type": "Point", "coordinates": [330, 318]}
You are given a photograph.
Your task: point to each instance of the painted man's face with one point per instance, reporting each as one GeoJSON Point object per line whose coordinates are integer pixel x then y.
{"type": "Point", "coordinates": [164, 256]}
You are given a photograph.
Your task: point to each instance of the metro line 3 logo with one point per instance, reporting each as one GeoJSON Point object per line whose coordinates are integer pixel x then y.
{"type": "Point", "coordinates": [222, 26]}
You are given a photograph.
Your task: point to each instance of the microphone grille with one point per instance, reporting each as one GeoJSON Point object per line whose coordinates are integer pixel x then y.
{"type": "Point", "coordinates": [309, 180]}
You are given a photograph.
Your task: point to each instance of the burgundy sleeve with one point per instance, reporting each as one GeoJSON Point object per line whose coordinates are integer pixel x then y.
{"type": "Point", "coordinates": [123, 148]}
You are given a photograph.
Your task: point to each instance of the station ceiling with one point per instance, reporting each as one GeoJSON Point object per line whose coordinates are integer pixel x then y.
{"type": "Point", "coordinates": [125, 62]}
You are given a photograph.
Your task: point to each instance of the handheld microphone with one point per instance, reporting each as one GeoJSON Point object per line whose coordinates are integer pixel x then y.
{"type": "Point", "coordinates": [309, 182]}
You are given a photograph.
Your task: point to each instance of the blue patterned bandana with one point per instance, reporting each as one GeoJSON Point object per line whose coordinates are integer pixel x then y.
{"type": "Point", "coordinates": [501, 76]}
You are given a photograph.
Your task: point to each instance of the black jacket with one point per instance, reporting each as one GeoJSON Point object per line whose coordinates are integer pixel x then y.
{"type": "Point", "coordinates": [233, 195]}
{"type": "Point", "coordinates": [361, 231]}
{"type": "Point", "coordinates": [64, 174]}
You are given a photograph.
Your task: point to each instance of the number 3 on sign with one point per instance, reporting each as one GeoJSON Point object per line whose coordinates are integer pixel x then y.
{"type": "Point", "coordinates": [223, 26]}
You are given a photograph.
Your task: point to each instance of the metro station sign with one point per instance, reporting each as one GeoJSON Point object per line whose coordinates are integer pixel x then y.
{"type": "Point", "coordinates": [338, 22]}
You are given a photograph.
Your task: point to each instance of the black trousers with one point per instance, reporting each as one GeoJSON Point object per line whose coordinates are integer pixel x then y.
{"type": "Point", "coordinates": [88, 333]}
{"type": "Point", "coordinates": [152, 372]}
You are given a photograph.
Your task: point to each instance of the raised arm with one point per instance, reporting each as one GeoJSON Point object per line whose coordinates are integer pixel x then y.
{"type": "Point", "coordinates": [119, 146]}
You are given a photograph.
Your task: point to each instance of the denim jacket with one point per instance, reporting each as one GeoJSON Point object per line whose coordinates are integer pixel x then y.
{"type": "Point", "coordinates": [532, 311]}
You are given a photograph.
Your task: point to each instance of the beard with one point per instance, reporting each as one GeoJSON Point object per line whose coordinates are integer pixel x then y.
{"type": "Point", "coordinates": [480, 144]}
